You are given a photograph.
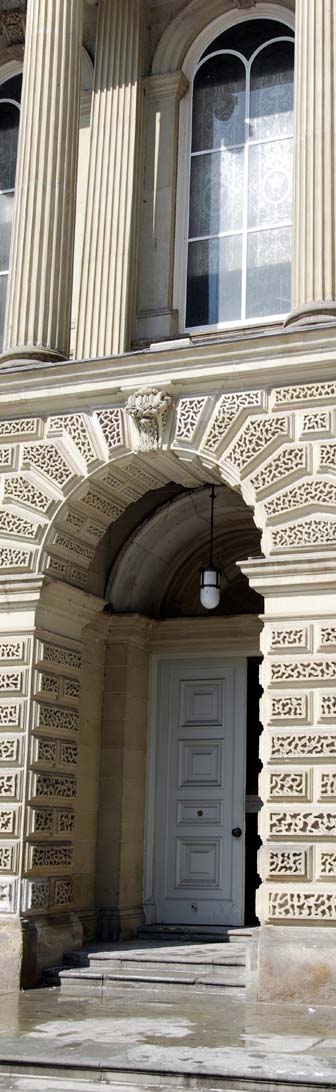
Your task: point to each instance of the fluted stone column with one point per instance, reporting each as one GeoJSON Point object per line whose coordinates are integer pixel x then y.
{"type": "Point", "coordinates": [106, 298]}
{"type": "Point", "coordinates": [314, 236]}
{"type": "Point", "coordinates": [40, 282]}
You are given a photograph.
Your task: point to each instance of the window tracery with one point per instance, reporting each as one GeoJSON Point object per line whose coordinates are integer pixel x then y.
{"type": "Point", "coordinates": [239, 242]}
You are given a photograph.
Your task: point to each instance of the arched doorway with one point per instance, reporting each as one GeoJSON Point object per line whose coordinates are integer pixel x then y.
{"type": "Point", "coordinates": [202, 673]}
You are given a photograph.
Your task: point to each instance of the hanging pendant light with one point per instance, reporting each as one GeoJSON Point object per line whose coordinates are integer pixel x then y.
{"type": "Point", "coordinates": [210, 577]}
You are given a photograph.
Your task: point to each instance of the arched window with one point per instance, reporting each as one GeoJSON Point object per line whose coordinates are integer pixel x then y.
{"type": "Point", "coordinates": [10, 97]}
{"type": "Point", "coordinates": [239, 247]}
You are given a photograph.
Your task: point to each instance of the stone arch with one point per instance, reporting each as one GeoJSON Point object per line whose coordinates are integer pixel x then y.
{"type": "Point", "coordinates": [66, 478]}
{"type": "Point", "coordinates": [189, 25]}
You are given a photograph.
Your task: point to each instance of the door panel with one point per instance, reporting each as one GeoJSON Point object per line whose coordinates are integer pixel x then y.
{"type": "Point", "coordinates": [200, 792]}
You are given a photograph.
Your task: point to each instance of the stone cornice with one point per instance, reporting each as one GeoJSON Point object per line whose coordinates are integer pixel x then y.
{"type": "Point", "coordinates": [262, 358]}
{"type": "Point", "coordinates": [299, 575]}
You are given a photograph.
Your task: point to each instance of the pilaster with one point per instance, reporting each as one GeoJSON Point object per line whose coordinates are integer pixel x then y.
{"type": "Point", "coordinates": [40, 281]}
{"type": "Point", "coordinates": [49, 748]}
{"type": "Point", "coordinates": [106, 297]}
{"type": "Point", "coordinates": [297, 860]}
{"type": "Point", "coordinates": [122, 792]}
{"type": "Point", "coordinates": [314, 234]}
{"type": "Point", "coordinates": [156, 317]}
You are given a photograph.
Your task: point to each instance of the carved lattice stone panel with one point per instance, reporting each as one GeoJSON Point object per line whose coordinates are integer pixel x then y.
{"type": "Point", "coordinates": [19, 428]}
{"type": "Point", "coordinates": [305, 392]}
{"type": "Point", "coordinates": [315, 824]}
{"type": "Point", "coordinates": [62, 892]}
{"type": "Point", "coordinates": [318, 421]}
{"type": "Point", "coordinates": [24, 492]}
{"type": "Point", "coordinates": [10, 785]}
{"type": "Point", "coordinates": [314, 492]}
{"type": "Point", "coordinates": [59, 720]}
{"type": "Point", "coordinates": [308, 532]}
{"type": "Point", "coordinates": [53, 786]}
{"type": "Point", "coordinates": [284, 637]}
{"type": "Point", "coordinates": [257, 435]}
{"type": "Point", "coordinates": [289, 707]}
{"type": "Point", "coordinates": [63, 657]}
{"type": "Point", "coordinates": [189, 413]}
{"type": "Point", "coordinates": [10, 714]}
{"type": "Point", "coordinates": [288, 784]}
{"type": "Point", "coordinates": [11, 650]}
{"type": "Point", "coordinates": [74, 425]}
{"type": "Point", "coordinates": [287, 862]}
{"type": "Point", "coordinates": [49, 856]}
{"type": "Point", "coordinates": [327, 864]}
{"type": "Point", "coordinates": [303, 671]}
{"type": "Point", "coordinates": [310, 745]}
{"type": "Point", "coordinates": [8, 818]}
{"type": "Point", "coordinates": [35, 895]}
{"type": "Point", "coordinates": [111, 424]}
{"type": "Point", "coordinates": [308, 905]}
{"type": "Point", "coordinates": [227, 411]}
{"type": "Point", "coordinates": [289, 460]}
{"type": "Point", "coordinates": [328, 706]}
{"type": "Point", "coordinates": [48, 460]}
{"type": "Point", "coordinates": [10, 749]}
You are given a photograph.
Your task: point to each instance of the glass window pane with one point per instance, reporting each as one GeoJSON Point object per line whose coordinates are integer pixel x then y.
{"type": "Point", "coordinates": [270, 183]}
{"type": "Point", "coordinates": [214, 281]}
{"type": "Point", "coordinates": [3, 294]}
{"type": "Point", "coordinates": [6, 217]}
{"type": "Point", "coordinates": [269, 273]}
{"type": "Point", "coordinates": [272, 92]}
{"type": "Point", "coordinates": [216, 193]}
{"type": "Point", "coordinates": [219, 104]}
{"type": "Point", "coordinates": [9, 128]}
{"type": "Point", "coordinates": [245, 37]}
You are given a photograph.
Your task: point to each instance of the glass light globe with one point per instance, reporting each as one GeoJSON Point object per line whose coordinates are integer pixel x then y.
{"type": "Point", "coordinates": [210, 587]}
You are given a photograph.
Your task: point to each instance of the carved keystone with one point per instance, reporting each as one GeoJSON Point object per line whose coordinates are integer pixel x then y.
{"type": "Point", "coordinates": [148, 409]}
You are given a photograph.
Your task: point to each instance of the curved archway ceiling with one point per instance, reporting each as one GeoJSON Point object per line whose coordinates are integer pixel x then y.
{"type": "Point", "coordinates": [157, 570]}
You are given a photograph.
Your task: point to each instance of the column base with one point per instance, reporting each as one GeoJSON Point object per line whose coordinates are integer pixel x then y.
{"type": "Point", "coordinates": [157, 325]}
{"type": "Point", "coordinates": [29, 354]}
{"type": "Point", "coordinates": [10, 954]}
{"type": "Point", "coordinates": [116, 923]}
{"type": "Point", "coordinates": [44, 941]}
{"type": "Point", "coordinates": [298, 964]}
{"type": "Point", "coordinates": [313, 314]}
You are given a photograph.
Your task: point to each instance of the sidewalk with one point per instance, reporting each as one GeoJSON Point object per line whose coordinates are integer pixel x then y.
{"type": "Point", "coordinates": [154, 1039]}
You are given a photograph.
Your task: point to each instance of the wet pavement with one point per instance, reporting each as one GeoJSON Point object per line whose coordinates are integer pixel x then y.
{"type": "Point", "coordinates": [157, 1034]}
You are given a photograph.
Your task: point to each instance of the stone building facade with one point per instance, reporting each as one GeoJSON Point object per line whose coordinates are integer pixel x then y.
{"type": "Point", "coordinates": [115, 417]}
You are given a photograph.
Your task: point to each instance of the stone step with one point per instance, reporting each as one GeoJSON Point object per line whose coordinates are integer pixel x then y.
{"type": "Point", "coordinates": [149, 961]}
{"type": "Point", "coordinates": [224, 979]}
{"type": "Point", "coordinates": [225, 934]}
{"type": "Point", "coordinates": [28, 1075]}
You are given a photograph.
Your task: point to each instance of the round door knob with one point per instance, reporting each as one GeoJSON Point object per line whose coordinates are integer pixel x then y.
{"type": "Point", "coordinates": [237, 832]}
{"type": "Point", "coordinates": [200, 811]}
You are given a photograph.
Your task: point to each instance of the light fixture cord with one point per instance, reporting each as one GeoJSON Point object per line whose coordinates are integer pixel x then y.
{"type": "Point", "coordinates": [212, 521]}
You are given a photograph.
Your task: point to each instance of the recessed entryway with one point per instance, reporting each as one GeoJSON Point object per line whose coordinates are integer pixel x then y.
{"type": "Point", "coordinates": [199, 815]}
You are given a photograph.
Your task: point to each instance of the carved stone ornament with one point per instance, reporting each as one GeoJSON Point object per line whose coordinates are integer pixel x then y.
{"type": "Point", "coordinates": [148, 408]}
{"type": "Point", "coordinates": [242, 4]}
{"type": "Point", "coordinates": [13, 24]}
